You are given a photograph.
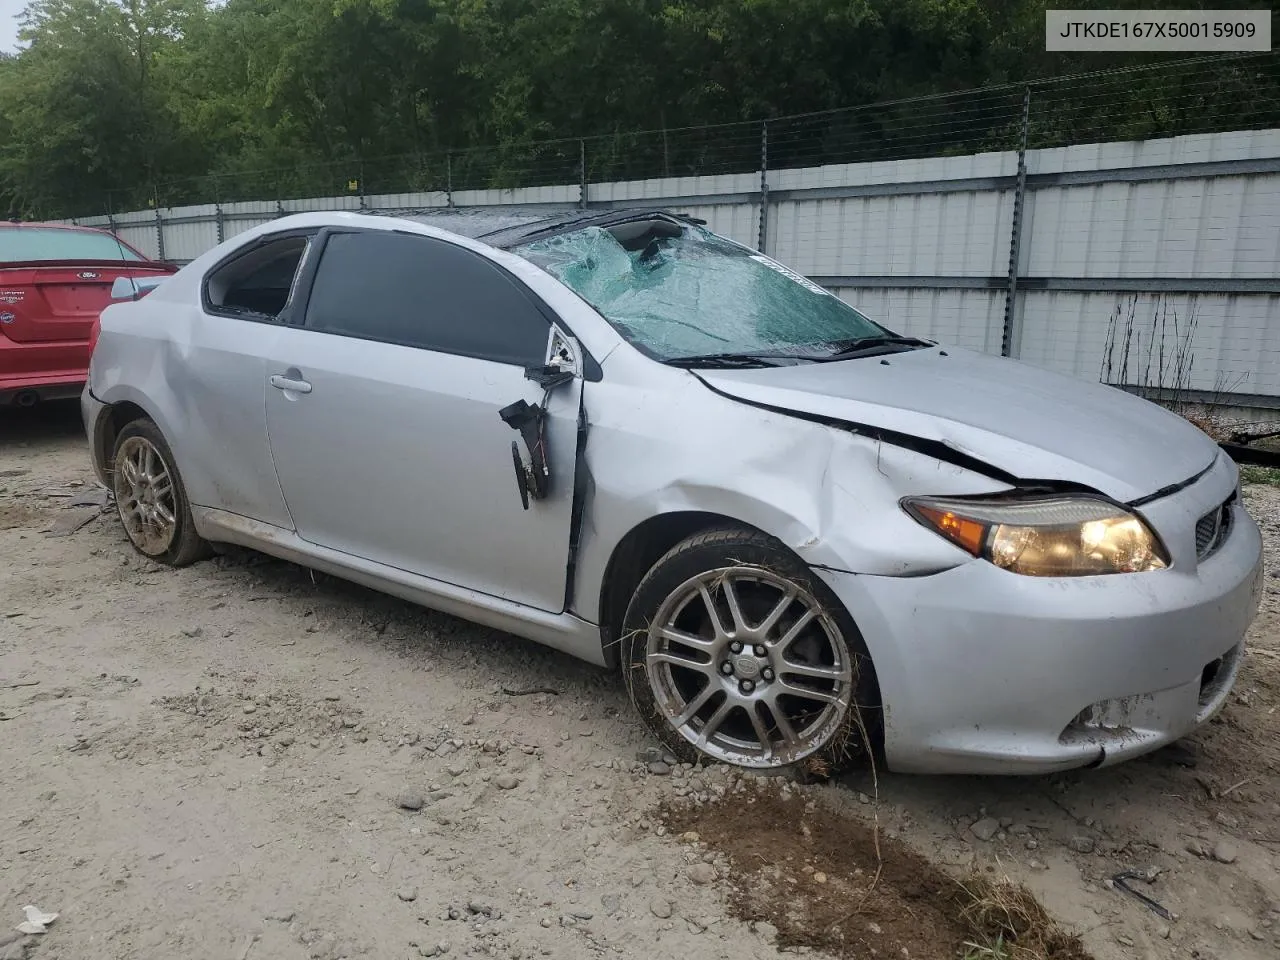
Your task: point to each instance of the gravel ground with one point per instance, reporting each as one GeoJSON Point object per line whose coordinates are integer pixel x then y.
{"type": "Point", "coordinates": [240, 760]}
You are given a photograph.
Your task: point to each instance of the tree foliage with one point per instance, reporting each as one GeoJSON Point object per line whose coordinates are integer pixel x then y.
{"type": "Point", "coordinates": [120, 103]}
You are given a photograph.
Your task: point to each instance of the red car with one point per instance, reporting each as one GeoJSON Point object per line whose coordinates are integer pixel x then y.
{"type": "Point", "coordinates": [54, 281]}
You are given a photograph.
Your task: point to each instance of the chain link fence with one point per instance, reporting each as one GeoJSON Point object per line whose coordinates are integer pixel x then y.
{"type": "Point", "coordinates": [1203, 95]}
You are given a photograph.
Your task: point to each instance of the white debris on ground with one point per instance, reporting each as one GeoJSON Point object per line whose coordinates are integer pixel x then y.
{"type": "Point", "coordinates": [37, 921]}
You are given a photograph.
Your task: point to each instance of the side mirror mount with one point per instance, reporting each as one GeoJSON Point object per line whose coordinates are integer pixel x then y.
{"type": "Point", "coordinates": [562, 364]}
{"type": "Point", "coordinates": [563, 353]}
{"type": "Point", "coordinates": [563, 361]}
{"type": "Point", "coordinates": [133, 288]}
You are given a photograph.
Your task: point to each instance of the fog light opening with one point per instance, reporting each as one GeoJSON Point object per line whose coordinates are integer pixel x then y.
{"type": "Point", "coordinates": [1210, 680]}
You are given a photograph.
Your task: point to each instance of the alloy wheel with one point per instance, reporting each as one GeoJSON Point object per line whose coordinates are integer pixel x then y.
{"type": "Point", "coordinates": [746, 666]}
{"type": "Point", "coordinates": [145, 496]}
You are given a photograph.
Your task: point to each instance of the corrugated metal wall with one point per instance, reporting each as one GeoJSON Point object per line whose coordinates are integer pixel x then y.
{"type": "Point", "coordinates": [1177, 240]}
{"type": "Point", "coordinates": [967, 318]}
{"type": "Point", "coordinates": [1190, 248]}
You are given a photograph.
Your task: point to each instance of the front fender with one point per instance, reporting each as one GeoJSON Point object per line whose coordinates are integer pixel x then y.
{"type": "Point", "coordinates": [830, 495]}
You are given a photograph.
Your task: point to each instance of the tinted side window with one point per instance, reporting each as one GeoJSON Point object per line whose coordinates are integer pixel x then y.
{"type": "Point", "coordinates": [423, 292]}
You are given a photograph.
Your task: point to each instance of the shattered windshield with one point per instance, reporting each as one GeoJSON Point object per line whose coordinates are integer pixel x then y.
{"type": "Point", "coordinates": [680, 291]}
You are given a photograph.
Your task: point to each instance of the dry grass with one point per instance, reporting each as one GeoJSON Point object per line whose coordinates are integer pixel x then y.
{"type": "Point", "coordinates": [1007, 922]}
{"type": "Point", "coordinates": [830, 881]}
{"type": "Point", "coordinates": [1267, 475]}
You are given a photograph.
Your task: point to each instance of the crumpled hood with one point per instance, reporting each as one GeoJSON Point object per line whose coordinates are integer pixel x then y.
{"type": "Point", "coordinates": [1025, 421]}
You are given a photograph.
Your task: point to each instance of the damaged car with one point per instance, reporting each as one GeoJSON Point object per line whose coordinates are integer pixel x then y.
{"type": "Point", "coordinates": [799, 536]}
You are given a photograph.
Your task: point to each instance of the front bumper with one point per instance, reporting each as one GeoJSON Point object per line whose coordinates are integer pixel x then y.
{"type": "Point", "coordinates": [987, 672]}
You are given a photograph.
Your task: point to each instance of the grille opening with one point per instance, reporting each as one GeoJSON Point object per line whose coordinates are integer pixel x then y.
{"type": "Point", "coordinates": [1213, 527]}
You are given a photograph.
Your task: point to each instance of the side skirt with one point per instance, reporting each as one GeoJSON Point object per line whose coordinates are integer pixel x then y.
{"type": "Point", "coordinates": [561, 631]}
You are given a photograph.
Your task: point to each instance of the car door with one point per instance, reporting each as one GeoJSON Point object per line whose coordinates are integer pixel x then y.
{"type": "Point", "coordinates": [384, 416]}
{"type": "Point", "coordinates": [245, 301]}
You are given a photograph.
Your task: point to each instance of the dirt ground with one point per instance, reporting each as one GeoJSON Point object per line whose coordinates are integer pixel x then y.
{"type": "Point", "coordinates": [242, 761]}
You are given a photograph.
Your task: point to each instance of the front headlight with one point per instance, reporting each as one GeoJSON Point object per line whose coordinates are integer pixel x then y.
{"type": "Point", "coordinates": [1063, 536]}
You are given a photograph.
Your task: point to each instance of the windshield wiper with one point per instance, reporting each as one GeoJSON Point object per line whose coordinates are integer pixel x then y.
{"type": "Point", "coordinates": [848, 348]}
{"type": "Point", "coordinates": [727, 360]}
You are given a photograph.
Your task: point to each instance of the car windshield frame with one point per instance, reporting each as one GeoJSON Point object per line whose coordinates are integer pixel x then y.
{"type": "Point", "coordinates": [674, 290]}
{"type": "Point", "coordinates": [38, 245]}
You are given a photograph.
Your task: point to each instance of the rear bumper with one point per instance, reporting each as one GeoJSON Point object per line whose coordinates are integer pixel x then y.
{"type": "Point", "coordinates": [31, 372]}
{"type": "Point", "coordinates": [24, 391]}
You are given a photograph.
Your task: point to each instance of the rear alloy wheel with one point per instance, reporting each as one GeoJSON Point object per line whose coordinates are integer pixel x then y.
{"type": "Point", "coordinates": [736, 652]}
{"type": "Point", "coordinates": [150, 497]}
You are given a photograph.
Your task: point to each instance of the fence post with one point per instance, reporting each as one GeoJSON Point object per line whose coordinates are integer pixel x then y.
{"type": "Point", "coordinates": [764, 187]}
{"type": "Point", "coordinates": [155, 193]}
{"type": "Point", "coordinates": [363, 204]}
{"type": "Point", "coordinates": [1011, 335]}
{"type": "Point", "coordinates": [448, 178]}
{"type": "Point", "coordinates": [217, 212]}
{"type": "Point", "coordinates": [582, 174]}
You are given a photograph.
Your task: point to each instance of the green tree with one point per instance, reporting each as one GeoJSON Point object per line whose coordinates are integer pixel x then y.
{"type": "Point", "coordinates": [87, 103]}
{"type": "Point", "coordinates": [124, 102]}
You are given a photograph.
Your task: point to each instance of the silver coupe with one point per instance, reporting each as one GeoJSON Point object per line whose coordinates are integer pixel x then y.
{"type": "Point", "coordinates": [798, 535]}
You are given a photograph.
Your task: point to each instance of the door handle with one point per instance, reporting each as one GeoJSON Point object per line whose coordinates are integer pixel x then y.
{"type": "Point", "coordinates": [287, 383]}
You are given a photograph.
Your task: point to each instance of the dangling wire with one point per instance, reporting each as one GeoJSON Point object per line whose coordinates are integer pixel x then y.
{"type": "Point", "coordinates": [540, 451]}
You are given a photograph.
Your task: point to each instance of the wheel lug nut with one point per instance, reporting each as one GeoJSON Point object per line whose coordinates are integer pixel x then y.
{"type": "Point", "coordinates": [760, 651]}
{"type": "Point", "coordinates": [726, 668]}
{"type": "Point", "coordinates": [766, 673]}
{"type": "Point", "coordinates": [736, 647]}
{"type": "Point", "coordinates": [747, 686]}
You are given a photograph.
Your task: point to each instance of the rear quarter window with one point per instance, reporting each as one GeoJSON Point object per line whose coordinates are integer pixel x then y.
{"type": "Point", "coordinates": [257, 283]}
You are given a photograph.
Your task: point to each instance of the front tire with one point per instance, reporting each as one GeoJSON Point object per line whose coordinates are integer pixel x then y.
{"type": "Point", "coordinates": [734, 651]}
{"type": "Point", "coordinates": [151, 499]}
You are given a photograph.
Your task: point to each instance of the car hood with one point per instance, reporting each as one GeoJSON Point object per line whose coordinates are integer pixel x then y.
{"type": "Point", "coordinates": [1024, 421]}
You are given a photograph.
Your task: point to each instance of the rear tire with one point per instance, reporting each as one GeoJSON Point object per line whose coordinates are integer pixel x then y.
{"type": "Point", "coordinates": [151, 500]}
{"type": "Point", "coordinates": [732, 650]}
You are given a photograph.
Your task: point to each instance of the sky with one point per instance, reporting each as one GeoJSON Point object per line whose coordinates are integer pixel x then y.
{"type": "Point", "coordinates": [9, 10]}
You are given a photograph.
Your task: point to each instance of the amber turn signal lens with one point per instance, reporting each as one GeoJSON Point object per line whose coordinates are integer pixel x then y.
{"type": "Point", "coordinates": [969, 534]}
{"type": "Point", "coordinates": [1045, 536]}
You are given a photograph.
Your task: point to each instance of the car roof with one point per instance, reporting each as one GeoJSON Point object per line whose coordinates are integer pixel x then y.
{"type": "Point", "coordinates": [509, 227]}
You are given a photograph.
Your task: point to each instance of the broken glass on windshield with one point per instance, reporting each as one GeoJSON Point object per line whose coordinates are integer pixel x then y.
{"type": "Point", "coordinates": [679, 291]}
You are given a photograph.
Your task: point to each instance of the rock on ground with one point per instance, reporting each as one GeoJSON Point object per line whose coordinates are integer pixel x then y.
{"type": "Point", "coordinates": [985, 829]}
